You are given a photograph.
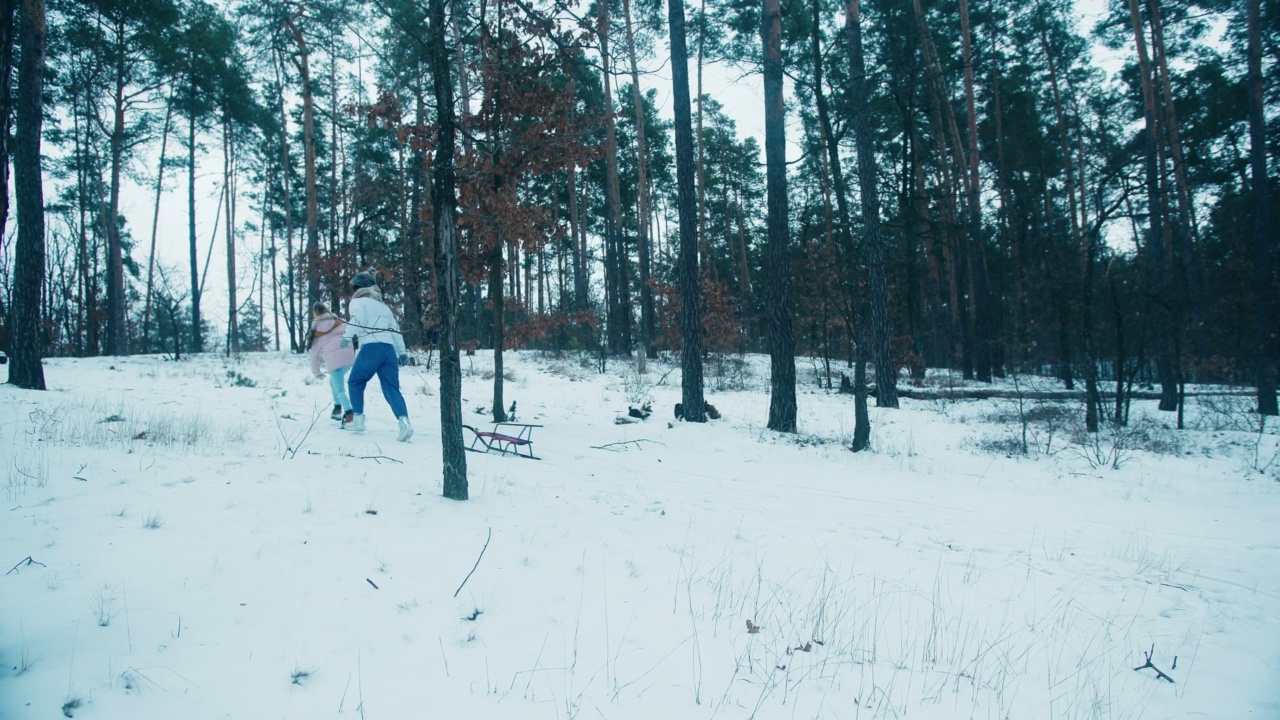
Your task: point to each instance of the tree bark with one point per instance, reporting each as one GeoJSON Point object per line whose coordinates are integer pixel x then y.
{"type": "Point", "coordinates": [228, 174]}
{"type": "Point", "coordinates": [155, 226]}
{"type": "Point", "coordinates": [1186, 240]}
{"type": "Point", "coordinates": [197, 332]}
{"type": "Point", "coordinates": [647, 319]}
{"type": "Point", "coordinates": [881, 334]}
{"type": "Point", "coordinates": [1264, 341]}
{"type": "Point", "coordinates": [1084, 246]}
{"type": "Point", "coordinates": [694, 405]}
{"type": "Point", "coordinates": [619, 306]}
{"type": "Point", "coordinates": [581, 290]}
{"type": "Point", "coordinates": [1156, 261]}
{"type": "Point", "coordinates": [26, 370]}
{"type": "Point", "coordinates": [6, 112]}
{"type": "Point", "coordinates": [782, 343]}
{"type": "Point", "coordinates": [444, 199]}
{"type": "Point", "coordinates": [497, 303]}
{"type": "Point", "coordinates": [117, 335]}
{"type": "Point", "coordinates": [303, 63]}
{"type": "Point", "coordinates": [982, 312]}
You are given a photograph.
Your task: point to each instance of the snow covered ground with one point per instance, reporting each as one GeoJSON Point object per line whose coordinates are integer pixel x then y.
{"type": "Point", "coordinates": [197, 553]}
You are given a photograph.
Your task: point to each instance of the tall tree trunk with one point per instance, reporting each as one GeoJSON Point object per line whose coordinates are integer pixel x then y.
{"type": "Point", "coordinates": [333, 146]}
{"type": "Point", "coordinates": [1082, 245]}
{"type": "Point", "coordinates": [1186, 235]}
{"type": "Point", "coordinates": [117, 334]}
{"type": "Point", "coordinates": [619, 307]}
{"type": "Point", "coordinates": [982, 312]}
{"type": "Point", "coordinates": [782, 344]}
{"type": "Point", "coordinates": [6, 116]}
{"type": "Point", "coordinates": [26, 332]}
{"type": "Point", "coordinates": [197, 332]}
{"type": "Point", "coordinates": [291, 318]}
{"type": "Point", "coordinates": [1156, 261]}
{"type": "Point", "coordinates": [155, 226]}
{"type": "Point", "coordinates": [303, 63]}
{"type": "Point", "coordinates": [581, 290]}
{"type": "Point", "coordinates": [228, 181]}
{"type": "Point", "coordinates": [881, 335]}
{"type": "Point", "coordinates": [705, 253]}
{"type": "Point", "coordinates": [642, 216]}
{"type": "Point", "coordinates": [448, 273]}
{"type": "Point", "coordinates": [694, 405]}
{"type": "Point", "coordinates": [1264, 331]}
{"type": "Point", "coordinates": [414, 307]}
{"type": "Point", "coordinates": [847, 247]}
{"type": "Point", "coordinates": [6, 112]}
{"type": "Point", "coordinates": [497, 301]}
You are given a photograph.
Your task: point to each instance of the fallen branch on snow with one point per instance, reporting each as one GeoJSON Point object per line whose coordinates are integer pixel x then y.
{"type": "Point", "coordinates": [375, 458]}
{"type": "Point", "coordinates": [622, 445]}
{"type": "Point", "coordinates": [1160, 675]}
{"type": "Point", "coordinates": [473, 567]}
{"type": "Point", "coordinates": [25, 561]}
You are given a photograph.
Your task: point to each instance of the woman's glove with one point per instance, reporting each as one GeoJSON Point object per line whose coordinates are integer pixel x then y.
{"type": "Point", "coordinates": [404, 359]}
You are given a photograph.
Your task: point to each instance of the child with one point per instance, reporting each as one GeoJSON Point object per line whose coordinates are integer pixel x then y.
{"type": "Point", "coordinates": [326, 343]}
{"type": "Point", "coordinates": [381, 352]}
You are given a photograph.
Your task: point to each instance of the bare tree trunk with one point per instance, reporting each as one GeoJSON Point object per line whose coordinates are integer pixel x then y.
{"type": "Point", "coordinates": [303, 63]}
{"type": "Point", "coordinates": [6, 111]}
{"type": "Point", "coordinates": [228, 181]}
{"type": "Point", "coordinates": [197, 332]}
{"type": "Point", "coordinates": [985, 341]}
{"type": "Point", "coordinates": [642, 215]}
{"type": "Point", "coordinates": [448, 274]}
{"type": "Point", "coordinates": [27, 335]}
{"type": "Point", "coordinates": [155, 226]}
{"type": "Point", "coordinates": [619, 310]}
{"type": "Point", "coordinates": [1264, 331]}
{"type": "Point", "coordinates": [881, 335]}
{"type": "Point", "coordinates": [782, 344]}
{"type": "Point", "coordinates": [497, 302]}
{"type": "Point", "coordinates": [705, 253]}
{"type": "Point", "coordinates": [1186, 237]}
{"type": "Point", "coordinates": [1156, 261]}
{"type": "Point", "coordinates": [291, 319]}
{"type": "Point", "coordinates": [1084, 246]}
{"type": "Point", "coordinates": [6, 117]}
{"type": "Point", "coordinates": [581, 290]}
{"type": "Point", "coordinates": [694, 406]}
{"type": "Point", "coordinates": [117, 335]}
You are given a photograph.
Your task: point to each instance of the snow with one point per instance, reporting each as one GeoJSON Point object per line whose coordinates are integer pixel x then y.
{"type": "Point", "coordinates": [225, 565]}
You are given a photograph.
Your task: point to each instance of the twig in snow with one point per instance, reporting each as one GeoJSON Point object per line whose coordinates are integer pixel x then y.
{"type": "Point", "coordinates": [291, 452]}
{"type": "Point", "coordinates": [620, 446]}
{"type": "Point", "coordinates": [25, 561]}
{"type": "Point", "coordinates": [1159, 673]}
{"type": "Point", "coordinates": [375, 458]}
{"type": "Point", "coordinates": [375, 586]}
{"type": "Point", "coordinates": [473, 567]}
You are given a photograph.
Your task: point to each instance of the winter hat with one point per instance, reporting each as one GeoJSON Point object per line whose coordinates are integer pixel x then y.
{"type": "Point", "coordinates": [364, 279]}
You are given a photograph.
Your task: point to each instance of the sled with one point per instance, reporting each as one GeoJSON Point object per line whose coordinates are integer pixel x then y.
{"type": "Point", "coordinates": [504, 442]}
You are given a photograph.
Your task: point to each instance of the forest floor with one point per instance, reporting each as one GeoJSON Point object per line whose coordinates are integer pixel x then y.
{"type": "Point", "coordinates": [197, 539]}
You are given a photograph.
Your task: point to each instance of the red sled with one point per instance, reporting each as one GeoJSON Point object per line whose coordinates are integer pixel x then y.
{"type": "Point", "coordinates": [503, 443]}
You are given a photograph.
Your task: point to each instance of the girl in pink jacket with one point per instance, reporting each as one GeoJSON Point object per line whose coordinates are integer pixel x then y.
{"type": "Point", "coordinates": [326, 344]}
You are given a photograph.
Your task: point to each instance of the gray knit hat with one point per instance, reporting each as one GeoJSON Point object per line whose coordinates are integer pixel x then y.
{"type": "Point", "coordinates": [364, 279]}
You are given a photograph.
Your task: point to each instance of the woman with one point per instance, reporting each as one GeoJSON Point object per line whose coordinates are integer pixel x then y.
{"type": "Point", "coordinates": [327, 345]}
{"type": "Point", "coordinates": [381, 352]}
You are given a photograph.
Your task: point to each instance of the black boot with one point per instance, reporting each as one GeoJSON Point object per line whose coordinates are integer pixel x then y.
{"type": "Point", "coordinates": [337, 413]}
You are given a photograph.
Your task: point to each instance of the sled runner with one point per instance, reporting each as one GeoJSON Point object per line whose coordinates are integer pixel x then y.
{"type": "Point", "coordinates": [504, 443]}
